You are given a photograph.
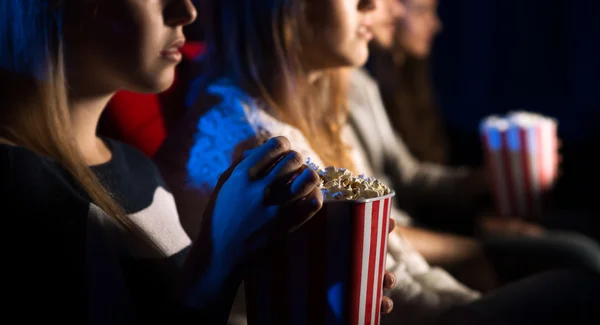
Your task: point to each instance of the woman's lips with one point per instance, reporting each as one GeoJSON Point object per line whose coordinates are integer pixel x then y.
{"type": "Point", "coordinates": [172, 52]}
{"type": "Point", "coordinates": [365, 33]}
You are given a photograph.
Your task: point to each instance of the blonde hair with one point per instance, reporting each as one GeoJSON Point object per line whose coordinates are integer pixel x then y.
{"type": "Point", "coordinates": [34, 104]}
{"type": "Point", "coordinates": [258, 45]}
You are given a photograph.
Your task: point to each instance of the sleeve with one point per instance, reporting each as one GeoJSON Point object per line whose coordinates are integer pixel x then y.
{"type": "Point", "coordinates": [417, 184]}
{"type": "Point", "coordinates": [426, 183]}
{"type": "Point", "coordinates": [416, 181]}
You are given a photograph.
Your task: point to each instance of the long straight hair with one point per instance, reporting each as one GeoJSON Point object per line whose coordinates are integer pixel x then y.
{"type": "Point", "coordinates": [257, 44]}
{"type": "Point", "coordinates": [409, 97]}
{"type": "Point", "coordinates": [33, 101]}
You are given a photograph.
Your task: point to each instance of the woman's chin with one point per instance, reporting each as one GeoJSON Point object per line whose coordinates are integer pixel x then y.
{"type": "Point", "coordinates": [154, 85]}
{"type": "Point", "coordinates": [357, 58]}
{"type": "Point", "coordinates": [360, 58]}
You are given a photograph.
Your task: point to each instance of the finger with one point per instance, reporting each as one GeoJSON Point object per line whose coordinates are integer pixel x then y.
{"type": "Point", "coordinates": [287, 190]}
{"type": "Point", "coordinates": [261, 159]}
{"type": "Point", "coordinates": [305, 183]}
{"type": "Point", "coordinates": [280, 177]}
{"type": "Point", "coordinates": [286, 167]}
{"type": "Point", "coordinates": [392, 225]}
{"type": "Point", "coordinates": [295, 215]}
{"type": "Point", "coordinates": [387, 305]}
{"type": "Point", "coordinates": [225, 176]}
{"type": "Point", "coordinates": [222, 179]}
{"type": "Point", "coordinates": [389, 280]}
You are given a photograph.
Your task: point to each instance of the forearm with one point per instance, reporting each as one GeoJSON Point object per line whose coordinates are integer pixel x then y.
{"type": "Point", "coordinates": [429, 188]}
{"type": "Point", "coordinates": [440, 248]}
{"type": "Point", "coordinates": [433, 183]}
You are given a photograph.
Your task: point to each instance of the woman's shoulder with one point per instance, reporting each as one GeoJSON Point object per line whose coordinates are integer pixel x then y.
{"type": "Point", "coordinates": [131, 176]}
{"type": "Point", "coordinates": [40, 195]}
{"type": "Point", "coordinates": [363, 91]}
{"type": "Point", "coordinates": [24, 172]}
{"type": "Point", "coordinates": [130, 162]}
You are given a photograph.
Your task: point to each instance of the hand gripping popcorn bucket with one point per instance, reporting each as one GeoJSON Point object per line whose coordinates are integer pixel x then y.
{"type": "Point", "coordinates": [330, 271]}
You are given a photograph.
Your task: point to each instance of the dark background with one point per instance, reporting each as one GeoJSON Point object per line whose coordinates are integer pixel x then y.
{"type": "Point", "coordinates": [495, 56]}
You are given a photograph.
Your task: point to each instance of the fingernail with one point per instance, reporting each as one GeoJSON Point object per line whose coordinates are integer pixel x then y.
{"type": "Point", "coordinates": [298, 173]}
{"type": "Point", "coordinates": [386, 306]}
{"type": "Point", "coordinates": [389, 281]}
{"type": "Point", "coordinates": [315, 202]}
{"type": "Point", "coordinates": [246, 154]}
{"type": "Point", "coordinates": [299, 179]}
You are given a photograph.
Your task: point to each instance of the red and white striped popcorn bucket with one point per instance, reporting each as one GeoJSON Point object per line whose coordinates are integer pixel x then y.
{"type": "Point", "coordinates": [330, 271]}
{"type": "Point", "coordinates": [522, 156]}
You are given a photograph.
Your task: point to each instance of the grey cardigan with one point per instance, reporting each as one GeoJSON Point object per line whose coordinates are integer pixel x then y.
{"type": "Point", "coordinates": [415, 182]}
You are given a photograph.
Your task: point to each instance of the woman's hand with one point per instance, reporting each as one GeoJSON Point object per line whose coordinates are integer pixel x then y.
{"type": "Point", "coordinates": [258, 199]}
{"type": "Point", "coordinates": [269, 193]}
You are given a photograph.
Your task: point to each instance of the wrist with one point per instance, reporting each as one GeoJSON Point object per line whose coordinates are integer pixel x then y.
{"type": "Point", "coordinates": [210, 297]}
{"type": "Point", "coordinates": [210, 275]}
{"type": "Point", "coordinates": [213, 283]}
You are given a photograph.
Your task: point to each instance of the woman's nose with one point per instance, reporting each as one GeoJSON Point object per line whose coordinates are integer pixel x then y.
{"type": "Point", "coordinates": [367, 5]}
{"type": "Point", "coordinates": [180, 13]}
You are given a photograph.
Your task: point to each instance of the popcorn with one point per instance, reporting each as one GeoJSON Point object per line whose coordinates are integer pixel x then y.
{"type": "Point", "coordinates": [341, 184]}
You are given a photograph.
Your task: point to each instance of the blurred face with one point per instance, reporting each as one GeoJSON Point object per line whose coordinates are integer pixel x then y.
{"type": "Point", "coordinates": [385, 22]}
{"type": "Point", "coordinates": [125, 44]}
{"type": "Point", "coordinates": [342, 31]}
{"type": "Point", "coordinates": [419, 27]}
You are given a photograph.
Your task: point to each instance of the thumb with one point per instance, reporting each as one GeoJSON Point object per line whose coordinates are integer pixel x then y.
{"type": "Point", "coordinates": [222, 179]}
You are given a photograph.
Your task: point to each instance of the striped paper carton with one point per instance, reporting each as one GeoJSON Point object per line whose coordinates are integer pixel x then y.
{"type": "Point", "coordinates": [522, 155]}
{"type": "Point", "coordinates": [328, 272]}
